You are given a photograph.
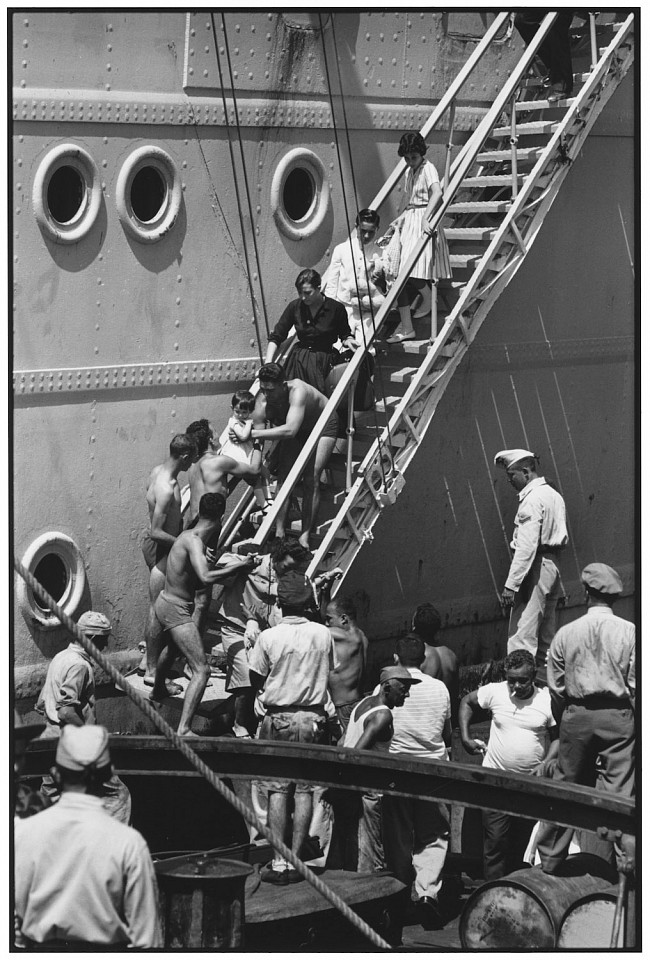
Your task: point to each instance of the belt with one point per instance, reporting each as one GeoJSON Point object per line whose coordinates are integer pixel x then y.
{"type": "Point", "coordinates": [549, 551]}
{"type": "Point", "coordinates": [295, 709]}
{"type": "Point", "coordinates": [600, 701]}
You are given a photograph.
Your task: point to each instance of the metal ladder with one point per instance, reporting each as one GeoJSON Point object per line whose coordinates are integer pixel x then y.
{"type": "Point", "coordinates": [521, 166]}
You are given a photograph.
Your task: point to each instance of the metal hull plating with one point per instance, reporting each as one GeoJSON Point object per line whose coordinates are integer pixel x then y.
{"type": "Point", "coordinates": [121, 339]}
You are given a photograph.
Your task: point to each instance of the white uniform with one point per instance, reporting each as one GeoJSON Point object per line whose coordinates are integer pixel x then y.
{"type": "Point", "coordinates": [347, 276]}
{"type": "Point", "coordinates": [540, 533]}
{"type": "Point", "coordinates": [80, 875]}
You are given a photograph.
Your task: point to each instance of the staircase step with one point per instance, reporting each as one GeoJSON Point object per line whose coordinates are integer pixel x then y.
{"type": "Point", "coordinates": [405, 375]}
{"type": "Point", "coordinates": [492, 180]}
{"type": "Point", "coordinates": [469, 233]}
{"type": "Point", "coordinates": [388, 404]}
{"type": "Point", "coordinates": [464, 261]}
{"type": "Point", "coordinates": [528, 154]}
{"type": "Point", "coordinates": [480, 206]}
{"type": "Point", "coordinates": [544, 128]}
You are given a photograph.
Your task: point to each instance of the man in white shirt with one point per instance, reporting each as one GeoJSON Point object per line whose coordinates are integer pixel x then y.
{"type": "Point", "coordinates": [82, 879]}
{"type": "Point", "coordinates": [416, 832]}
{"type": "Point", "coordinates": [351, 275]}
{"type": "Point", "coordinates": [533, 586]}
{"type": "Point", "coordinates": [292, 662]}
{"type": "Point", "coordinates": [522, 729]}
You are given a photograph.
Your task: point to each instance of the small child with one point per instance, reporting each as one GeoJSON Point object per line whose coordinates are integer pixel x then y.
{"type": "Point", "coordinates": [236, 442]}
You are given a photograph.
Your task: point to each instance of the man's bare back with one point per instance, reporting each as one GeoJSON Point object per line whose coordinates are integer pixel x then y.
{"type": "Point", "coordinates": [441, 663]}
{"type": "Point", "coordinates": [210, 475]}
{"type": "Point", "coordinates": [303, 399]}
{"type": "Point", "coordinates": [345, 680]}
{"type": "Point", "coordinates": [182, 579]}
{"type": "Point", "coordinates": [164, 500]}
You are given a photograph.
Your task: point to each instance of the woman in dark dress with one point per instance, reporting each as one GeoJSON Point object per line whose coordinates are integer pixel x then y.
{"type": "Point", "coordinates": [319, 322]}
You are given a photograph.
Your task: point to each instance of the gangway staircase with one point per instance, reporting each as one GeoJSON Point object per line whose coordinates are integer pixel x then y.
{"type": "Point", "coordinates": [496, 195]}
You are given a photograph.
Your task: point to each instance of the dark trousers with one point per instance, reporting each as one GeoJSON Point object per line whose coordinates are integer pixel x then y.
{"type": "Point", "coordinates": [505, 839]}
{"type": "Point", "coordinates": [555, 50]}
{"type": "Point", "coordinates": [589, 734]}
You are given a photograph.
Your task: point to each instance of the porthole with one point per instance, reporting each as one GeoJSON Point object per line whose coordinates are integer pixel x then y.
{"type": "Point", "coordinates": [56, 562]}
{"type": "Point", "coordinates": [300, 194]}
{"type": "Point", "coordinates": [67, 193]}
{"type": "Point", "coordinates": [148, 194]}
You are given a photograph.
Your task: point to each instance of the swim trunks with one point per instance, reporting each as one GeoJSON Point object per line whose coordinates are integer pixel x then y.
{"type": "Point", "coordinates": [153, 551]}
{"type": "Point", "coordinates": [173, 612]}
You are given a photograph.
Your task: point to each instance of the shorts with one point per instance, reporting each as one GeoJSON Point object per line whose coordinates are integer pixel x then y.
{"type": "Point", "coordinates": [344, 712]}
{"type": "Point", "coordinates": [234, 647]}
{"type": "Point", "coordinates": [288, 451]}
{"type": "Point", "coordinates": [293, 726]}
{"type": "Point", "coordinates": [173, 612]}
{"type": "Point", "coordinates": [152, 551]}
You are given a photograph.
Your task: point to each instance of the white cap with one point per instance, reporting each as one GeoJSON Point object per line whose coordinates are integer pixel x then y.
{"type": "Point", "coordinates": [506, 458]}
{"type": "Point", "coordinates": [80, 748]}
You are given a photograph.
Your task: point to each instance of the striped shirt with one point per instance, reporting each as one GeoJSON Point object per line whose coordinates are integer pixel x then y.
{"type": "Point", "coordinates": [418, 725]}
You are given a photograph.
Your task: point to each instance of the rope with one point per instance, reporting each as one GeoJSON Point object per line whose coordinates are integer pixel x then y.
{"type": "Point", "coordinates": [243, 163]}
{"type": "Point", "coordinates": [236, 182]}
{"type": "Point", "coordinates": [348, 220]}
{"type": "Point", "coordinates": [193, 758]}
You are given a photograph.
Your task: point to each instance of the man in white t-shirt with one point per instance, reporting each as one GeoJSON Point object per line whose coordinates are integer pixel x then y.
{"type": "Point", "coordinates": [520, 740]}
{"type": "Point", "coordinates": [416, 832]}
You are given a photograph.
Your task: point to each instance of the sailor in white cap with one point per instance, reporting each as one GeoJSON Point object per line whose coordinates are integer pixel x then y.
{"type": "Point", "coordinates": [82, 879]}
{"type": "Point", "coordinates": [68, 699]}
{"type": "Point", "coordinates": [533, 585]}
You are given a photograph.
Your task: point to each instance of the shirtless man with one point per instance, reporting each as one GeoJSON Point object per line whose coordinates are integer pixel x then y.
{"type": "Point", "coordinates": [209, 474]}
{"type": "Point", "coordinates": [350, 652]}
{"type": "Point", "coordinates": [439, 662]}
{"type": "Point", "coordinates": [164, 503]}
{"type": "Point", "coordinates": [292, 407]}
{"type": "Point", "coordinates": [187, 570]}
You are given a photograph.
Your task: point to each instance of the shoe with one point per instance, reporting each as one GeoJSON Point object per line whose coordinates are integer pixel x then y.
{"type": "Point", "coordinates": [400, 337]}
{"type": "Point", "coordinates": [429, 914]}
{"type": "Point", "coordinates": [280, 878]}
{"type": "Point", "coordinates": [558, 91]}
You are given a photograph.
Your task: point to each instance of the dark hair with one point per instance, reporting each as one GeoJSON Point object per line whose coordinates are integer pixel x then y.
{"type": "Point", "coordinates": [182, 445]}
{"type": "Point", "coordinates": [308, 276]}
{"type": "Point", "coordinates": [92, 777]}
{"type": "Point", "coordinates": [243, 396]}
{"type": "Point", "coordinates": [289, 547]}
{"type": "Point", "coordinates": [410, 650]}
{"type": "Point", "coordinates": [200, 432]}
{"type": "Point", "coordinates": [271, 371]}
{"type": "Point", "coordinates": [426, 622]}
{"type": "Point", "coordinates": [346, 606]}
{"type": "Point", "coordinates": [368, 216]}
{"type": "Point", "coordinates": [520, 658]}
{"type": "Point", "coordinates": [529, 462]}
{"type": "Point", "coordinates": [411, 142]}
{"type": "Point", "coordinates": [212, 506]}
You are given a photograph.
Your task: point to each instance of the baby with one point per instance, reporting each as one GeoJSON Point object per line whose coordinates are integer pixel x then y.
{"type": "Point", "coordinates": [236, 441]}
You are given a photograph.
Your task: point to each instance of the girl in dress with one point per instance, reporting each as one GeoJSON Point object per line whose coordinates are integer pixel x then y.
{"type": "Point", "coordinates": [423, 193]}
{"type": "Point", "coordinates": [236, 442]}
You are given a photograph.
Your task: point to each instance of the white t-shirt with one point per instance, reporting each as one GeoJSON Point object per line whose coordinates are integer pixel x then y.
{"type": "Point", "coordinates": [519, 737]}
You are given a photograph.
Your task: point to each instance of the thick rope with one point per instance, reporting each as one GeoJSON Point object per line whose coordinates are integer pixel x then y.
{"type": "Point", "coordinates": [182, 745]}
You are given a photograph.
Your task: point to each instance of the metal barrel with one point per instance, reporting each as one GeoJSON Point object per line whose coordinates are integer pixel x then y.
{"type": "Point", "coordinates": [202, 901]}
{"type": "Point", "coordinates": [588, 922]}
{"type": "Point", "coordinates": [524, 910]}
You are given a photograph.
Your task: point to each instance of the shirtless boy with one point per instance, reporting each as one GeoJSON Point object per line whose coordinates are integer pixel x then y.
{"type": "Point", "coordinates": [188, 570]}
{"type": "Point", "coordinates": [292, 407]}
{"type": "Point", "coordinates": [350, 652]}
{"type": "Point", "coordinates": [439, 662]}
{"type": "Point", "coordinates": [164, 503]}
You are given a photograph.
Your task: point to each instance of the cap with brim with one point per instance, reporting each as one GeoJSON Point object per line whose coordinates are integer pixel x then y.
{"type": "Point", "coordinates": [93, 622]}
{"type": "Point", "coordinates": [397, 673]}
{"type": "Point", "coordinates": [26, 731]}
{"type": "Point", "coordinates": [508, 458]}
{"type": "Point", "coordinates": [83, 748]}
{"type": "Point", "coordinates": [602, 579]}
{"type": "Point", "coordinates": [293, 591]}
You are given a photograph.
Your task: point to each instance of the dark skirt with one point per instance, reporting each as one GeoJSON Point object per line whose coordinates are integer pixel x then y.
{"type": "Point", "coordinates": [312, 366]}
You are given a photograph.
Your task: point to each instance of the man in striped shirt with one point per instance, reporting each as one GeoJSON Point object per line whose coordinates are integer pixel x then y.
{"type": "Point", "coordinates": [416, 832]}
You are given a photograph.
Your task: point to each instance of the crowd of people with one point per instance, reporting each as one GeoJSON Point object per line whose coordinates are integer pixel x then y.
{"type": "Point", "coordinates": [296, 657]}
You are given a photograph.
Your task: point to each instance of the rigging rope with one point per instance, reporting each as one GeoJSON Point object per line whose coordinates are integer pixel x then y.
{"type": "Point", "coordinates": [243, 163]}
{"type": "Point", "coordinates": [182, 745]}
{"type": "Point", "coordinates": [236, 182]}
{"type": "Point", "coordinates": [348, 220]}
